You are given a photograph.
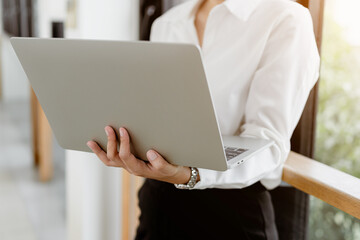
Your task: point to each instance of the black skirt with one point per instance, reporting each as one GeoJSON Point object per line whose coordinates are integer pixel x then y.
{"type": "Point", "coordinates": [170, 213]}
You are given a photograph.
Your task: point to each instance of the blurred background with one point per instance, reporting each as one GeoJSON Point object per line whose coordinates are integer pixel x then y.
{"type": "Point", "coordinates": [39, 199]}
{"type": "Point", "coordinates": [32, 207]}
{"type": "Point", "coordinates": [338, 119]}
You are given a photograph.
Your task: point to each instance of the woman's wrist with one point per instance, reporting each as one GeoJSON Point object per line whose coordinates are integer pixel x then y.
{"type": "Point", "coordinates": [183, 176]}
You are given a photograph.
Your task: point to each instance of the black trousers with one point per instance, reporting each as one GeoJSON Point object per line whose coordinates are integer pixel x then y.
{"type": "Point", "coordinates": [173, 214]}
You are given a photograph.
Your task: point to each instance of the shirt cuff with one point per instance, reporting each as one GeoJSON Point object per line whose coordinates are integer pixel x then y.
{"type": "Point", "coordinates": [264, 166]}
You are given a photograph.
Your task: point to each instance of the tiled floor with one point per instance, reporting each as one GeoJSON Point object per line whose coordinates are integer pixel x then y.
{"type": "Point", "coordinates": [29, 209]}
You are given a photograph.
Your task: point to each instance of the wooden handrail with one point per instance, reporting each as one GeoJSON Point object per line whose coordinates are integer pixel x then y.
{"type": "Point", "coordinates": [335, 187]}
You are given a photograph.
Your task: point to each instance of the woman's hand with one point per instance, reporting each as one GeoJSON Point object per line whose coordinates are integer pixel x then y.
{"type": "Point", "coordinates": [157, 167]}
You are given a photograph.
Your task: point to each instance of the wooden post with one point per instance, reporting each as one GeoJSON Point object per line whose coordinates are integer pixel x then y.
{"type": "Point", "coordinates": [126, 191]}
{"type": "Point", "coordinates": [46, 168]}
{"type": "Point", "coordinates": [130, 210]}
{"type": "Point", "coordinates": [42, 140]}
{"type": "Point", "coordinates": [34, 124]}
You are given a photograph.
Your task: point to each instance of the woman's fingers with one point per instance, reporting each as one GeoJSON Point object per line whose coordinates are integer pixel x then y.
{"type": "Point", "coordinates": [133, 165]}
{"type": "Point", "coordinates": [157, 167]}
{"type": "Point", "coordinates": [160, 165]}
{"type": "Point", "coordinates": [166, 171]}
{"type": "Point", "coordinates": [112, 152]}
{"type": "Point", "coordinates": [156, 161]}
{"type": "Point", "coordinates": [124, 152]}
{"type": "Point", "coordinates": [99, 153]}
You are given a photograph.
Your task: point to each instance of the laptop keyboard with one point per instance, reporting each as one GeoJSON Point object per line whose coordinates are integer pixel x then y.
{"type": "Point", "coordinates": [232, 152]}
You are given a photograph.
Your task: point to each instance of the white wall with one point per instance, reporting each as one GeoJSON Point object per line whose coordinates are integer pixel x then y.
{"type": "Point", "coordinates": [14, 81]}
{"type": "Point", "coordinates": [47, 12]}
{"type": "Point", "coordinates": [108, 19]}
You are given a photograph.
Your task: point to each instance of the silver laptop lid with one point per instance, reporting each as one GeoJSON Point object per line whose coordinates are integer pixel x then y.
{"type": "Point", "coordinates": [158, 91]}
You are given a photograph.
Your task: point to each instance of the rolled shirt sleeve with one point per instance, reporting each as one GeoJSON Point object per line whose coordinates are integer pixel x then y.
{"type": "Point", "coordinates": [286, 73]}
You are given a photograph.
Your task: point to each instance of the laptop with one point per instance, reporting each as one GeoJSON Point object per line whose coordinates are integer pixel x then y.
{"type": "Point", "coordinates": [157, 91]}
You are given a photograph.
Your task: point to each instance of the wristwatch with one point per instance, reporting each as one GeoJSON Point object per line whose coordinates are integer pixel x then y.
{"type": "Point", "coordinates": [192, 181]}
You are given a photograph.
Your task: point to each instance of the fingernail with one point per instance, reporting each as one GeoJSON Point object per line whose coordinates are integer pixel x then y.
{"type": "Point", "coordinates": [152, 155]}
{"type": "Point", "coordinates": [88, 144]}
{"type": "Point", "coordinates": [121, 132]}
{"type": "Point", "coordinates": [107, 132]}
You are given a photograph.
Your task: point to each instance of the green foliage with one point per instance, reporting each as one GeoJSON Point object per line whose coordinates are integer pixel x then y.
{"type": "Point", "coordinates": [338, 128]}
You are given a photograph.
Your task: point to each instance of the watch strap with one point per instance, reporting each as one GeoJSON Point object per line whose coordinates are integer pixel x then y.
{"type": "Point", "coordinates": [192, 182]}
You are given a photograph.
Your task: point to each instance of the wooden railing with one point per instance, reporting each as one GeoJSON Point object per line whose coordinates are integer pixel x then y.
{"type": "Point", "coordinates": [337, 188]}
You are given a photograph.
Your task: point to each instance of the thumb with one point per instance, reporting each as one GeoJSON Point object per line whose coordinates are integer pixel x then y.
{"type": "Point", "coordinates": [156, 159]}
{"type": "Point", "coordinates": [152, 155]}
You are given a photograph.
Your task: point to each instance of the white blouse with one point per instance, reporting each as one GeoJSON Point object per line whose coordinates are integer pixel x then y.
{"type": "Point", "coordinates": [261, 61]}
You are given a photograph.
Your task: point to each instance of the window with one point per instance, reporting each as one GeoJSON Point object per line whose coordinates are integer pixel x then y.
{"type": "Point", "coordinates": [338, 120]}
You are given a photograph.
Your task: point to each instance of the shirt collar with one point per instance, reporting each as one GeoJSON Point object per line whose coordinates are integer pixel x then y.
{"type": "Point", "coordinates": [242, 9]}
